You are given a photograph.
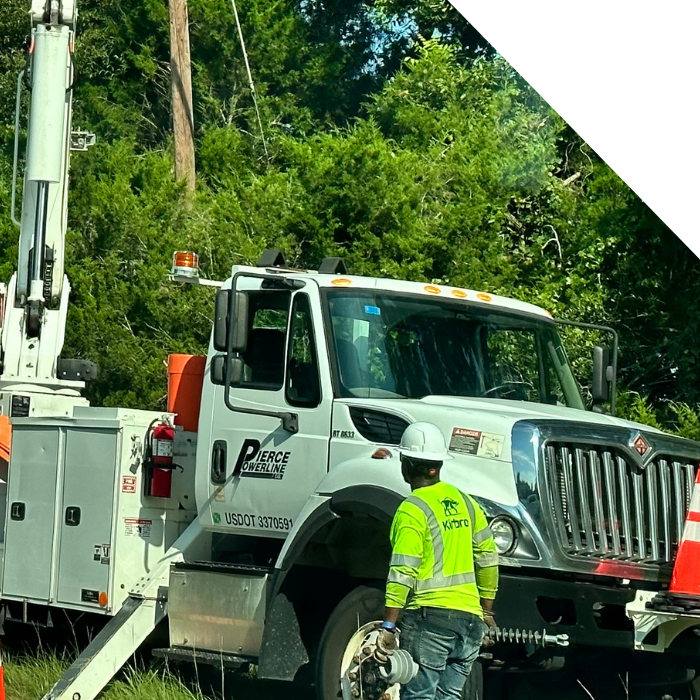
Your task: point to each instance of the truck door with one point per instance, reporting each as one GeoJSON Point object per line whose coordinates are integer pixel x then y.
{"type": "Point", "coordinates": [31, 516]}
{"type": "Point", "coordinates": [261, 475]}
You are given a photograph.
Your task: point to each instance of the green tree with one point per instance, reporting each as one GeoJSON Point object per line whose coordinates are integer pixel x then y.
{"type": "Point", "coordinates": [395, 138]}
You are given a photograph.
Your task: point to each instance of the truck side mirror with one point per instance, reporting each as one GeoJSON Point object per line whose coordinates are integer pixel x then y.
{"type": "Point", "coordinates": [221, 319]}
{"type": "Point", "coordinates": [217, 371]}
{"type": "Point", "coordinates": [236, 322]}
{"type": "Point", "coordinates": [603, 375]}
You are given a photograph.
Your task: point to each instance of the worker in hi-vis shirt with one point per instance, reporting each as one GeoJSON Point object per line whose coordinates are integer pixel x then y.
{"type": "Point", "coordinates": [443, 574]}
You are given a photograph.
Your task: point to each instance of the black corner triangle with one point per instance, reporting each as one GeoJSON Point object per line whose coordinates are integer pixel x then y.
{"type": "Point", "coordinates": [272, 257]}
{"type": "Point", "coordinates": [333, 266]}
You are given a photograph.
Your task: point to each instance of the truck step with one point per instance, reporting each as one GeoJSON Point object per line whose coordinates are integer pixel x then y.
{"type": "Point", "coordinates": [197, 656]}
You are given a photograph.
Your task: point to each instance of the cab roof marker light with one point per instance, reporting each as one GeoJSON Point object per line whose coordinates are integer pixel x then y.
{"type": "Point", "coordinates": [432, 289]}
{"type": "Point", "coordinates": [484, 297]}
{"type": "Point", "coordinates": [341, 282]}
{"type": "Point", "coordinates": [459, 293]}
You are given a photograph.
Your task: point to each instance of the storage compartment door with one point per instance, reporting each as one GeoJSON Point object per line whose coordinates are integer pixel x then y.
{"type": "Point", "coordinates": [31, 504]}
{"type": "Point", "coordinates": [85, 554]}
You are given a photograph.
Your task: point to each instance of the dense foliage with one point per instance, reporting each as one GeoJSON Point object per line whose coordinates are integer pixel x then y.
{"type": "Point", "coordinates": [393, 136]}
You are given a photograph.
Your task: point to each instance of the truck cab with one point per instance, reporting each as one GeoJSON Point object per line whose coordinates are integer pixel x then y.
{"type": "Point", "coordinates": [311, 380]}
{"type": "Point", "coordinates": [356, 360]}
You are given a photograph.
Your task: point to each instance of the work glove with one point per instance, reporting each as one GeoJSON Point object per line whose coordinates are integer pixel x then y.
{"type": "Point", "coordinates": [386, 641]}
{"type": "Point", "coordinates": [490, 622]}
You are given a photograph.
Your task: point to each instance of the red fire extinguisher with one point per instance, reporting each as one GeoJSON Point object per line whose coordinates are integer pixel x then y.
{"type": "Point", "coordinates": [159, 460]}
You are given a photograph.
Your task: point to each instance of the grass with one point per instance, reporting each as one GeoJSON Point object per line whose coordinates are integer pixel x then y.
{"type": "Point", "coordinates": [29, 678]}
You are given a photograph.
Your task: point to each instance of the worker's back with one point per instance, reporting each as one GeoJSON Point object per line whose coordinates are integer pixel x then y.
{"type": "Point", "coordinates": [436, 534]}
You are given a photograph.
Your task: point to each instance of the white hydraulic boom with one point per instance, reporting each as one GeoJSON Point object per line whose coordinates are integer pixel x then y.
{"type": "Point", "coordinates": [34, 317]}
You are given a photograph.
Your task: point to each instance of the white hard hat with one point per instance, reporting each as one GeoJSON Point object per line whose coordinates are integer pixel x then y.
{"type": "Point", "coordinates": [424, 441]}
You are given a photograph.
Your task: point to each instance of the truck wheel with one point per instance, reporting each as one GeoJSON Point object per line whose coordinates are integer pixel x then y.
{"type": "Point", "coordinates": [362, 605]}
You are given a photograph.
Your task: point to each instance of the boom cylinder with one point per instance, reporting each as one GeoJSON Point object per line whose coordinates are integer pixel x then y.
{"type": "Point", "coordinates": [47, 128]}
{"type": "Point", "coordinates": [46, 148]}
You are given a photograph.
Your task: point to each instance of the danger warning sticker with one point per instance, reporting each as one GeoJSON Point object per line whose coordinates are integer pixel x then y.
{"type": "Point", "coordinates": [128, 484]}
{"type": "Point", "coordinates": [465, 441]}
{"type": "Point", "coordinates": [136, 527]}
{"type": "Point", "coordinates": [476, 442]}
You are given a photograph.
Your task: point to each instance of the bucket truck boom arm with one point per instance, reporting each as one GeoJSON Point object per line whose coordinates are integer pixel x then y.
{"type": "Point", "coordinates": [33, 325]}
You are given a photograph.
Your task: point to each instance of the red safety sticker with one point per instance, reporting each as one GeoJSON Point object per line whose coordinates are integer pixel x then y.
{"type": "Point", "coordinates": [128, 484]}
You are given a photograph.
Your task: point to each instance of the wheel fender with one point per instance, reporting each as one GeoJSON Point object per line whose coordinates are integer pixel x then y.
{"type": "Point", "coordinates": [365, 471]}
{"type": "Point", "coordinates": [284, 652]}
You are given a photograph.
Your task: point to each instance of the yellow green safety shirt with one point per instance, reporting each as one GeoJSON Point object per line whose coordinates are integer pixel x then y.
{"type": "Point", "coordinates": [443, 552]}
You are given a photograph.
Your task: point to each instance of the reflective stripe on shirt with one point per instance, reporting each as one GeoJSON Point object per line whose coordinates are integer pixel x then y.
{"type": "Point", "coordinates": [482, 535]}
{"type": "Point", "coordinates": [485, 560]}
{"type": "Point", "coordinates": [405, 560]}
{"type": "Point", "coordinates": [403, 579]}
{"type": "Point", "coordinates": [445, 581]}
{"type": "Point", "coordinates": [435, 534]}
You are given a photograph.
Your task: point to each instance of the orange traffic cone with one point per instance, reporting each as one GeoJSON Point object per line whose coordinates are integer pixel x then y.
{"type": "Point", "coordinates": [686, 571]}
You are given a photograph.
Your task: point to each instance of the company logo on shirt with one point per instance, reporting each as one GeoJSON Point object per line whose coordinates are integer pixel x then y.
{"type": "Point", "coordinates": [451, 506]}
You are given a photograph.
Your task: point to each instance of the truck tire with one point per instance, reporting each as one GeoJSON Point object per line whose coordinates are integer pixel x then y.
{"type": "Point", "coordinates": [362, 605]}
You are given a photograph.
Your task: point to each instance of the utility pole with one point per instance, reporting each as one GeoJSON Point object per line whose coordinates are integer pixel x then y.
{"type": "Point", "coordinates": [181, 85]}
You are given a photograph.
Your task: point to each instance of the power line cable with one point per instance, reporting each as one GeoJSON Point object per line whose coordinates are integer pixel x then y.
{"type": "Point", "coordinates": [250, 76]}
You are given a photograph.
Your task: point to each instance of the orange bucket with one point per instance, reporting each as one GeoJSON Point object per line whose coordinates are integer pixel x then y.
{"type": "Point", "coordinates": [5, 438]}
{"type": "Point", "coordinates": [185, 380]}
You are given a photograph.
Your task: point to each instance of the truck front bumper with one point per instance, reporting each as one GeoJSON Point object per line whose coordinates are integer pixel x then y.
{"type": "Point", "coordinates": [658, 622]}
{"type": "Point", "coordinates": [597, 616]}
{"type": "Point", "coordinates": [590, 614]}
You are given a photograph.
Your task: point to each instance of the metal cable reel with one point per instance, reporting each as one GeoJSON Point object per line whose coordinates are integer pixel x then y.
{"type": "Point", "coordinates": [370, 675]}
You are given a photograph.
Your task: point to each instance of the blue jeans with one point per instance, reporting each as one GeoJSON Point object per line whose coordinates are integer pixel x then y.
{"type": "Point", "coordinates": [444, 644]}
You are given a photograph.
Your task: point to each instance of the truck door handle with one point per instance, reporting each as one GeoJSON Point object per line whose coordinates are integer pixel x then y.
{"type": "Point", "coordinates": [218, 462]}
{"type": "Point", "coordinates": [17, 511]}
{"type": "Point", "coordinates": [73, 516]}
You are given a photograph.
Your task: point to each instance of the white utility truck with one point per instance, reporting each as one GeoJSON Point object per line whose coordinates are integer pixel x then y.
{"type": "Point", "coordinates": [261, 531]}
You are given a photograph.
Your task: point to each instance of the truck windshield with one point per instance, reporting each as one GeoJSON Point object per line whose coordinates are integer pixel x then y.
{"type": "Point", "coordinates": [390, 345]}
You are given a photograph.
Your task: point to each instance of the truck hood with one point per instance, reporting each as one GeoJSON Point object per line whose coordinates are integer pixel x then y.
{"type": "Point", "coordinates": [478, 434]}
{"type": "Point", "coordinates": [494, 416]}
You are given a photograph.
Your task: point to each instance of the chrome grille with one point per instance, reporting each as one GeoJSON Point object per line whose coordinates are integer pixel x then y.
{"type": "Point", "coordinates": [605, 506]}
